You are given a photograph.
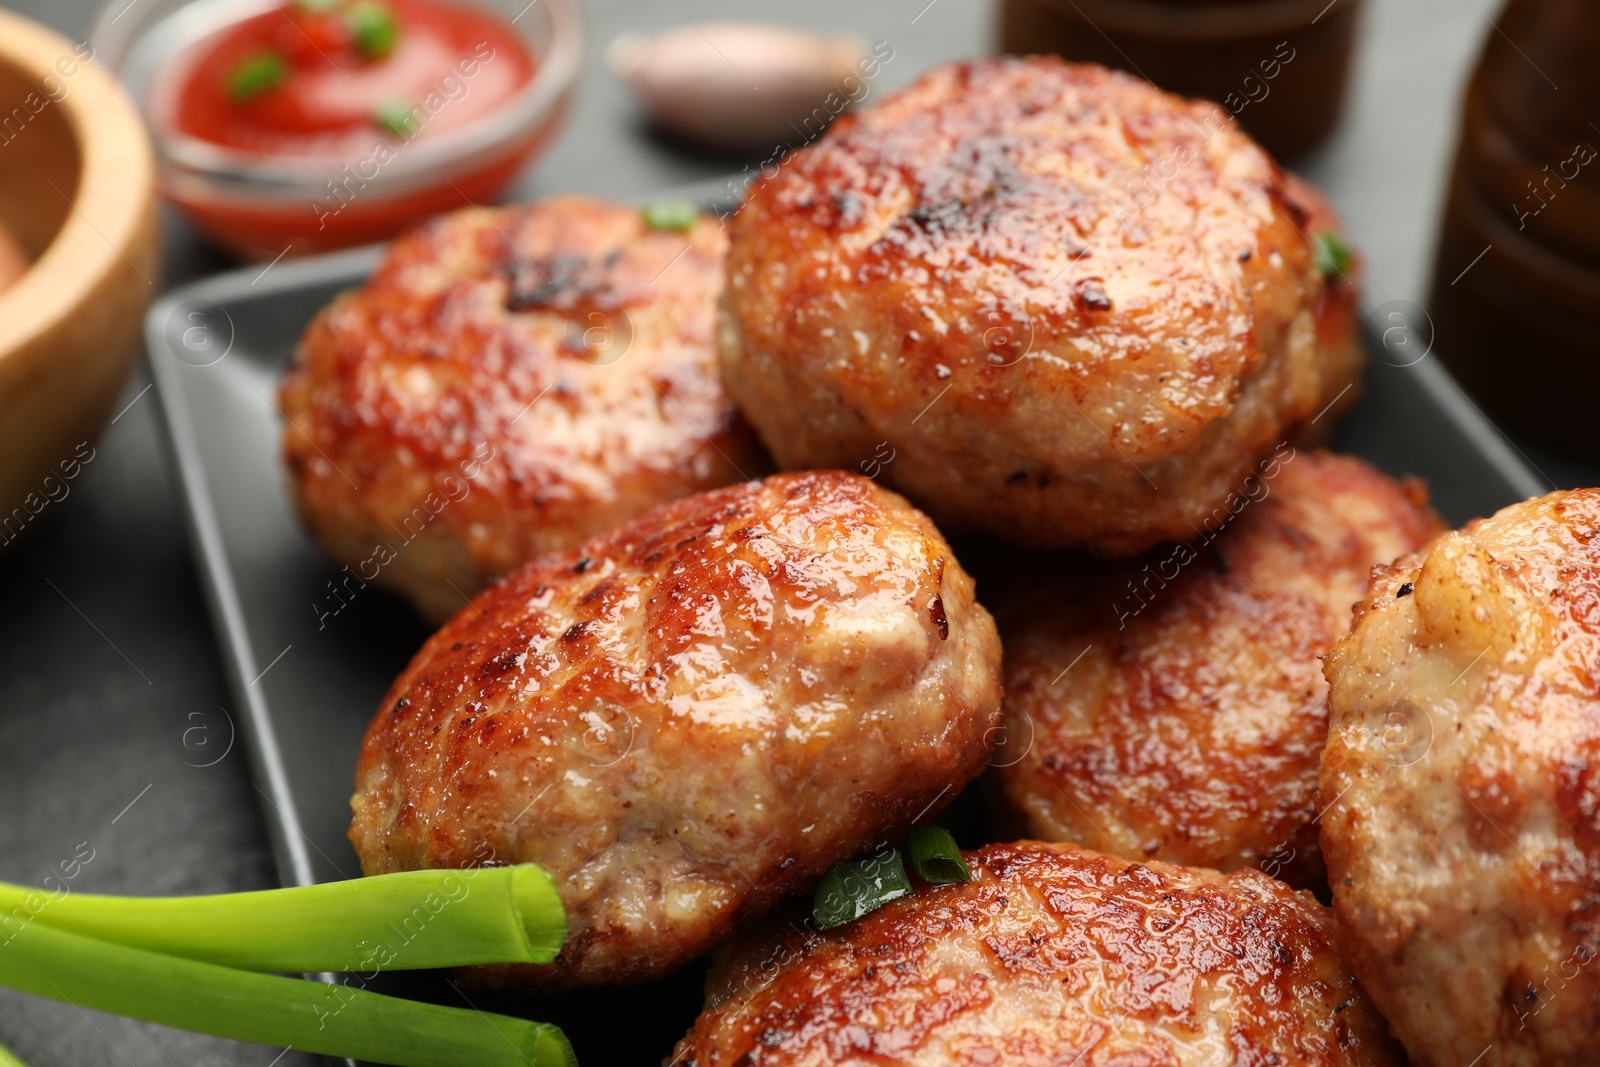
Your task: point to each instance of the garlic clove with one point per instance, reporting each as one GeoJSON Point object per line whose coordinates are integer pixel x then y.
{"type": "Point", "coordinates": [739, 86]}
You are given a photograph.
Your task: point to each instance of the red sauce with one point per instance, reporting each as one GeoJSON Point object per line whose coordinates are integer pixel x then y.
{"type": "Point", "coordinates": [308, 81]}
{"type": "Point", "coordinates": [451, 64]}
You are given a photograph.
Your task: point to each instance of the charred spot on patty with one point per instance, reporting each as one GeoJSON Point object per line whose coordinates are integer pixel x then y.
{"type": "Point", "coordinates": [563, 283]}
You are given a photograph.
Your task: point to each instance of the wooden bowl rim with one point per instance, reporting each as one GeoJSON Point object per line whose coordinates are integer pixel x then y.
{"type": "Point", "coordinates": [116, 185]}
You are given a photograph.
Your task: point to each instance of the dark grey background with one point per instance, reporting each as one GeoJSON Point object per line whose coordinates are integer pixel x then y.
{"type": "Point", "coordinates": [106, 653]}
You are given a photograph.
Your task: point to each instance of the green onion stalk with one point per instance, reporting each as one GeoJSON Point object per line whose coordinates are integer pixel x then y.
{"type": "Point", "coordinates": [256, 74]}
{"type": "Point", "coordinates": [936, 856]}
{"type": "Point", "coordinates": [410, 920]}
{"type": "Point", "coordinates": [678, 215]}
{"type": "Point", "coordinates": [1333, 254]}
{"type": "Point", "coordinates": [310, 1016]}
{"type": "Point", "coordinates": [850, 890]}
{"type": "Point", "coordinates": [373, 28]}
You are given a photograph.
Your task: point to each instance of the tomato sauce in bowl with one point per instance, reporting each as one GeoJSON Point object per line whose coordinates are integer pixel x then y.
{"type": "Point", "coordinates": [297, 127]}
{"type": "Point", "coordinates": [298, 82]}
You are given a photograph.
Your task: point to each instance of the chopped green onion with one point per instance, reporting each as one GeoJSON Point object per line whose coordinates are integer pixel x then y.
{"type": "Point", "coordinates": [850, 890]}
{"type": "Point", "coordinates": [404, 921]}
{"type": "Point", "coordinates": [1333, 254]}
{"type": "Point", "coordinates": [677, 215]}
{"type": "Point", "coordinates": [9, 1058]}
{"type": "Point", "coordinates": [373, 28]}
{"type": "Point", "coordinates": [397, 118]}
{"type": "Point", "coordinates": [936, 857]}
{"type": "Point", "coordinates": [310, 1016]}
{"type": "Point", "coordinates": [317, 7]}
{"type": "Point", "coordinates": [257, 73]}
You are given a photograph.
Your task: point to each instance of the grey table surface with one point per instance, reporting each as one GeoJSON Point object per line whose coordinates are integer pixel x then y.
{"type": "Point", "coordinates": [106, 651]}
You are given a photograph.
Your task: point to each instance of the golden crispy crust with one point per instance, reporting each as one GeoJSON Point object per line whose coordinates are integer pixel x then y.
{"type": "Point", "coordinates": [509, 382]}
{"type": "Point", "coordinates": [690, 717]}
{"type": "Point", "coordinates": [1463, 827]}
{"type": "Point", "coordinates": [1051, 955]}
{"type": "Point", "coordinates": [1174, 707]}
{"type": "Point", "coordinates": [1076, 309]}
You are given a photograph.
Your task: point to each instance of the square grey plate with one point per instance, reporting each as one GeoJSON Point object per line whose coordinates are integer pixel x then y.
{"type": "Point", "coordinates": [306, 678]}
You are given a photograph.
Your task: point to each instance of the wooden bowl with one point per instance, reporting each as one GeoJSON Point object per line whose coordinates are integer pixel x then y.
{"type": "Point", "coordinates": [77, 193]}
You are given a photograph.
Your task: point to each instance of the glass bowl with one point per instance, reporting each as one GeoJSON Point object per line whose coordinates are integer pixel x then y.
{"type": "Point", "coordinates": [264, 206]}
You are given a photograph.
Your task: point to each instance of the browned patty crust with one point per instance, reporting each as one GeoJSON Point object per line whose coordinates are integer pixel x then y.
{"type": "Point", "coordinates": [689, 717]}
{"type": "Point", "coordinates": [1050, 957]}
{"type": "Point", "coordinates": [1073, 309]}
{"type": "Point", "coordinates": [1173, 707]}
{"type": "Point", "coordinates": [510, 381]}
{"type": "Point", "coordinates": [1462, 779]}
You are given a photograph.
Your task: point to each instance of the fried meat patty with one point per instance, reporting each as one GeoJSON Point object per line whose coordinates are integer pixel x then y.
{"type": "Point", "coordinates": [1462, 780]}
{"type": "Point", "coordinates": [1048, 300]}
{"type": "Point", "coordinates": [1055, 956]}
{"type": "Point", "coordinates": [690, 717]}
{"type": "Point", "coordinates": [509, 382]}
{"type": "Point", "coordinates": [1173, 707]}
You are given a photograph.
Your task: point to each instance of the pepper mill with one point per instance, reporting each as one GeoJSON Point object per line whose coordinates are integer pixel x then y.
{"type": "Point", "coordinates": [1278, 66]}
{"type": "Point", "coordinates": [1515, 299]}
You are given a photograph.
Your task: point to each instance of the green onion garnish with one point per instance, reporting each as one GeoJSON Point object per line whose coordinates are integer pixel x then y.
{"type": "Point", "coordinates": [335, 1020]}
{"type": "Point", "coordinates": [373, 28]}
{"type": "Point", "coordinates": [936, 857]}
{"type": "Point", "coordinates": [256, 74]}
{"type": "Point", "coordinates": [677, 215]}
{"type": "Point", "coordinates": [850, 890]}
{"type": "Point", "coordinates": [403, 921]}
{"type": "Point", "coordinates": [396, 118]}
{"type": "Point", "coordinates": [317, 7]}
{"type": "Point", "coordinates": [1333, 254]}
